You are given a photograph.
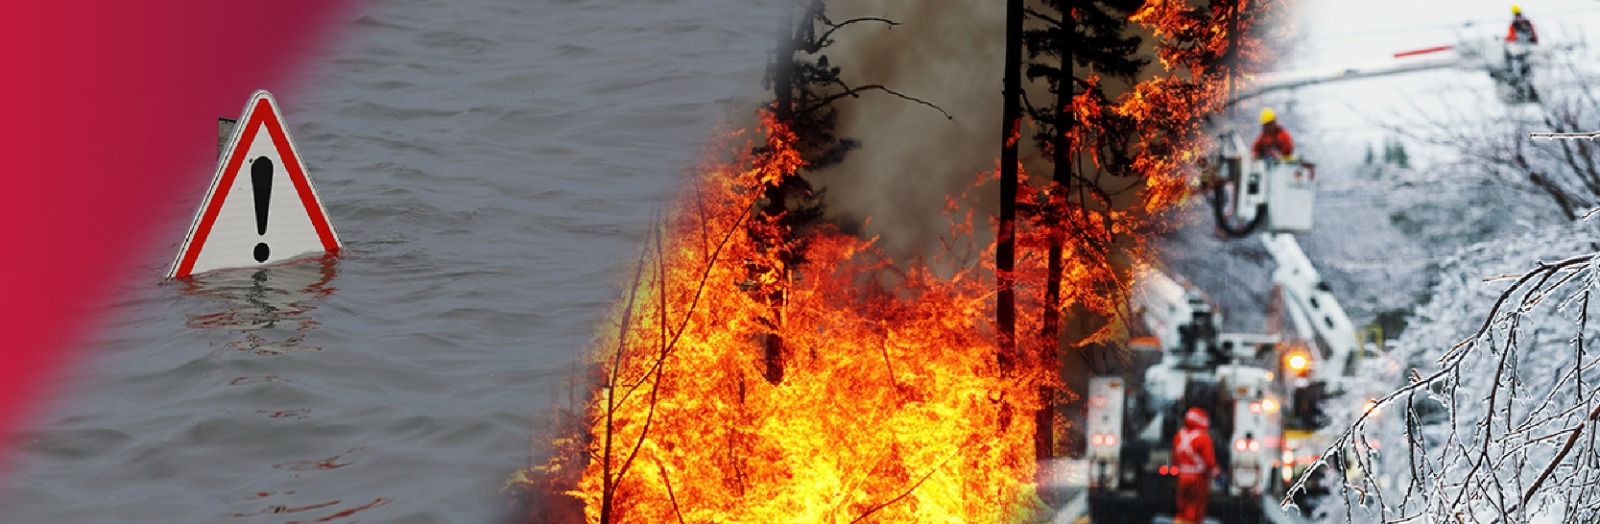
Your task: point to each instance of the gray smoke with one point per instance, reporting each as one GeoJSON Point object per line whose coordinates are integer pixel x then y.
{"type": "Point", "coordinates": [948, 52]}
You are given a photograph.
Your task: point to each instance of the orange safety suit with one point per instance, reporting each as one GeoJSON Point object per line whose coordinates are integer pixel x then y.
{"type": "Point", "coordinates": [1197, 465]}
{"type": "Point", "coordinates": [1273, 142]}
{"type": "Point", "coordinates": [1522, 31]}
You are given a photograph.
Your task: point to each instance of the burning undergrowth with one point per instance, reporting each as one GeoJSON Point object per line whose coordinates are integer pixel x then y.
{"type": "Point", "coordinates": [891, 409]}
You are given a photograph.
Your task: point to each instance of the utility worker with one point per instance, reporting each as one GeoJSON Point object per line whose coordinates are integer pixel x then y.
{"type": "Point", "coordinates": [1521, 29]}
{"type": "Point", "coordinates": [1519, 39]}
{"type": "Point", "coordinates": [1273, 143]}
{"type": "Point", "coordinates": [1197, 465]}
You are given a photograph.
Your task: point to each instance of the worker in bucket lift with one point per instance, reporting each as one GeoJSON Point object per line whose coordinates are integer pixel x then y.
{"type": "Point", "coordinates": [1521, 29]}
{"type": "Point", "coordinates": [1273, 144]}
{"type": "Point", "coordinates": [1197, 465]}
{"type": "Point", "coordinates": [1519, 39]}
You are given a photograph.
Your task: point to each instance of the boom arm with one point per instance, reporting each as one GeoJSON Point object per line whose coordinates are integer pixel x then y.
{"type": "Point", "coordinates": [1267, 83]}
{"type": "Point", "coordinates": [1310, 302]}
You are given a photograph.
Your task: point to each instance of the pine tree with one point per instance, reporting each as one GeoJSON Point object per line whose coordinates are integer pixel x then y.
{"type": "Point", "coordinates": [797, 74]}
{"type": "Point", "coordinates": [1079, 44]}
{"type": "Point", "coordinates": [804, 86]}
{"type": "Point", "coordinates": [1006, 241]}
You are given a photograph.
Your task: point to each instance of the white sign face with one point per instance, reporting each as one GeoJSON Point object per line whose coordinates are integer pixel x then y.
{"type": "Point", "coordinates": [261, 207]}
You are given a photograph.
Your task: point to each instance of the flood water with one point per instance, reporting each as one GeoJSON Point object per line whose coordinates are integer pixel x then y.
{"type": "Point", "coordinates": [490, 165]}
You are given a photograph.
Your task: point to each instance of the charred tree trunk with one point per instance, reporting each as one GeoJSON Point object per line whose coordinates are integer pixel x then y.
{"type": "Point", "coordinates": [1230, 58]}
{"type": "Point", "coordinates": [804, 86]}
{"type": "Point", "coordinates": [783, 69]}
{"type": "Point", "coordinates": [776, 194]}
{"type": "Point", "coordinates": [1006, 244]}
{"type": "Point", "coordinates": [1061, 157]}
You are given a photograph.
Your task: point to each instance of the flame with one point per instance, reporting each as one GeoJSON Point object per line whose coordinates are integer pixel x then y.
{"type": "Point", "coordinates": [892, 408]}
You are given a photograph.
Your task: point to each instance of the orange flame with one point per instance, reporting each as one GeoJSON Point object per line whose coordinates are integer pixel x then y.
{"type": "Point", "coordinates": [892, 408]}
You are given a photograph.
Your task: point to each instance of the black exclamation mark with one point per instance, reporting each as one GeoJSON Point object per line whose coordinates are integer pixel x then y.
{"type": "Point", "coordinates": [261, 185]}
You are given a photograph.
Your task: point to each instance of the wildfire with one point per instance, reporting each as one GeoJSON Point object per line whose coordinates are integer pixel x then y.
{"type": "Point", "coordinates": [892, 408]}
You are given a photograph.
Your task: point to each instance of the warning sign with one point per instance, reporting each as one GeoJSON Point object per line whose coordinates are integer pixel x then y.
{"type": "Point", "coordinates": [261, 207]}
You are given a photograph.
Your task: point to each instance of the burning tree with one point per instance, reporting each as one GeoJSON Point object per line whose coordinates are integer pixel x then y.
{"type": "Point", "coordinates": [1084, 139]}
{"type": "Point", "coordinates": [1215, 45]}
{"type": "Point", "coordinates": [804, 87]}
{"type": "Point", "coordinates": [887, 411]}
{"type": "Point", "coordinates": [1123, 153]}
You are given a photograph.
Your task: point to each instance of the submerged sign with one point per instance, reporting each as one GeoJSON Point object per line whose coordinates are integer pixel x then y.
{"type": "Point", "coordinates": [261, 207]}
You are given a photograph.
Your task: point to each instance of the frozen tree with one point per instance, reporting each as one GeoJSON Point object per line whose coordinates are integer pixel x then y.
{"type": "Point", "coordinates": [1563, 172]}
{"type": "Point", "coordinates": [1485, 409]}
{"type": "Point", "coordinates": [1492, 401]}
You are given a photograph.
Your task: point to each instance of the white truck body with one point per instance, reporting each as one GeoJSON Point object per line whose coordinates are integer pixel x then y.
{"type": "Point", "coordinates": [1107, 398]}
{"type": "Point", "coordinates": [1257, 436]}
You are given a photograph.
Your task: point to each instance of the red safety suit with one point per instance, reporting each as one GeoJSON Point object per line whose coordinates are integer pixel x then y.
{"type": "Point", "coordinates": [1197, 464]}
{"type": "Point", "coordinates": [1273, 142]}
{"type": "Point", "coordinates": [1522, 31]}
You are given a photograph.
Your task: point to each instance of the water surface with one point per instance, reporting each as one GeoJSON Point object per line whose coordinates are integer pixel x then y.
{"type": "Point", "coordinates": [489, 165]}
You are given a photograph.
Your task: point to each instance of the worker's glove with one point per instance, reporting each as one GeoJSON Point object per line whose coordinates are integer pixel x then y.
{"type": "Point", "coordinates": [1289, 159]}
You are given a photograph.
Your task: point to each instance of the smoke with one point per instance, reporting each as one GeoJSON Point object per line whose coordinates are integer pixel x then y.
{"type": "Point", "coordinates": [949, 53]}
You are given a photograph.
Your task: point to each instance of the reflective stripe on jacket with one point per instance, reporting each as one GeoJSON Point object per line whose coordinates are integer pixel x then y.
{"type": "Point", "coordinates": [1191, 450]}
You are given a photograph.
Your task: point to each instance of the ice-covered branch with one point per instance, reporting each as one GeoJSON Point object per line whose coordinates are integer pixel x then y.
{"type": "Point", "coordinates": [1507, 452]}
{"type": "Point", "coordinates": [1567, 136]}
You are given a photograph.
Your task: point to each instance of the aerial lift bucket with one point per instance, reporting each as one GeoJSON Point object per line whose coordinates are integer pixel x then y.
{"type": "Point", "coordinates": [1268, 196]}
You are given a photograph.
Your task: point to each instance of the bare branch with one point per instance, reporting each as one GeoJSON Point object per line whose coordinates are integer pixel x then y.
{"type": "Point", "coordinates": [855, 92]}
{"type": "Point", "coordinates": [903, 495]}
{"type": "Point", "coordinates": [1561, 455]}
{"type": "Point", "coordinates": [1564, 136]}
{"type": "Point", "coordinates": [822, 40]}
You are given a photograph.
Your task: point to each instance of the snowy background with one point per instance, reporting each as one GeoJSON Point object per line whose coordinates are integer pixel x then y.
{"type": "Point", "coordinates": [1409, 247]}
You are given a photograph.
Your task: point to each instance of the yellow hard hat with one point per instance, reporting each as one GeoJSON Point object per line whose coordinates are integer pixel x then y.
{"type": "Point", "coordinates": [1267, 115]}
{"type": "Point", "coordinates": [1516, 9]}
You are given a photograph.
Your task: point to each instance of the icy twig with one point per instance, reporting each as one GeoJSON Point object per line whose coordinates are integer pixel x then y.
{"type": "Point", "coordinates": [1565, 136]}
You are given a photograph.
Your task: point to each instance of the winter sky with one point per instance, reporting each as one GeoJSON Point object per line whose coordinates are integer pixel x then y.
{"type": "Point", "coordinates": [1349, 115]}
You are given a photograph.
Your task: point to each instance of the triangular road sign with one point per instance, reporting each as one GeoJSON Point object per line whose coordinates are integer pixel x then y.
{"type": "Point", "coordinates": [261, 207]}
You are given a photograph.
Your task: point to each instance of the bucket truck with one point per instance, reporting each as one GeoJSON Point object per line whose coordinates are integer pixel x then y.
{"type": "Point", "coordinates": [1263, 392]}
{"type": "Point", "coordinates": [1132, 418]}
